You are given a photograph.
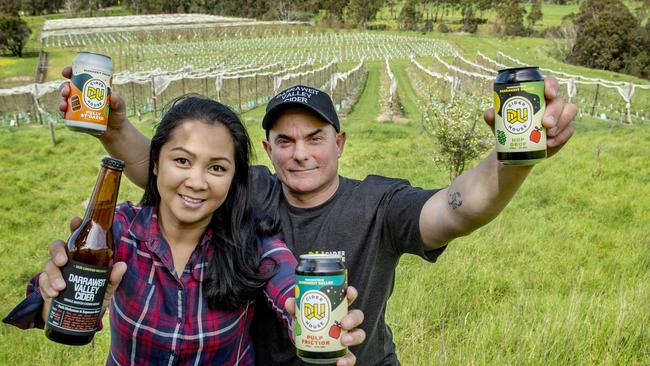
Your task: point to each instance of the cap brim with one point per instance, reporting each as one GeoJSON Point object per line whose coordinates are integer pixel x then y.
{"type": "Point", "coordinates": [272, 115]}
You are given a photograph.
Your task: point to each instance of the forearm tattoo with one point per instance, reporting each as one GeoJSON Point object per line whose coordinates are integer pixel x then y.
{"type": "Point", "coordinates": [455, 200]}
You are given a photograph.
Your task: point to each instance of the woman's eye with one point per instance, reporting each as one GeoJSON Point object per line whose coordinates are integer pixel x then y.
{"type": "Point", "coordinates": [181, 161]}
{"type": "Point", "coordinates": [217, 168]}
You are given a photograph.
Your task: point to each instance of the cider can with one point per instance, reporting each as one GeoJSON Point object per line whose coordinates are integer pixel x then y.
{"type": "Point", "coordinates": [321, 304]}
{"type": "Point", "coordinates": [90, 89]}
{"type": "Point", "coordinates": [519, 105]}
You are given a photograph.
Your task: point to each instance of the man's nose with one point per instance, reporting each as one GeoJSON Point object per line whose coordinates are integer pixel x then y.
{"type": "Point", "coordinates": [300, 151]}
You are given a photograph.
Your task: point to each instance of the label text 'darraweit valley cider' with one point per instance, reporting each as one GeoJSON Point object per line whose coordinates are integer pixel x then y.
{"type": "Point", "coordinates": [75, 313]}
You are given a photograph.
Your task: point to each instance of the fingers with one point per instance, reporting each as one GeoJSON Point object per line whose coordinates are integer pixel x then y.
{"type": "Point", "coordinates": [353, 337]}
{"type": "Point", "coordinates": [75, 223]}
{"type": "Point", "coordinates": [290, 306]}
{"type": "Point", "coordinates": [50, 282]}
{"type": "Point", "coordinates": [551, 88]}
{"type": "Point", "coordinates": [488, 116]}
{"type": "Point", "coordinates": [352, 319]}
{"type": "Point", "coordinates": [561, 132]}
{"type": "Point", "coordinates": [351, 294]}
{"type": "Point", "coordinates": [554, 105]}
{"type": "Point", "coordinates": [64, 90]}
{"type": "Point", "coordinates": [119, 268]}
{"type": "Point", "coordinates": [117, 103]}
{"type": "Point", "coordinates": [67, 72]}
{"type": "Point", "coordinates": [552, 115]}
{"type": "Point", "coordinates": [565, 118]}
{"type": "Point", "coordinates": [348, 360]}
{"type": "Point", "coordinates": [117, 272]}
{"type": "Point", "coordinates": [562, 138]}
{"type": "Point", "coordinates": [58, 254]}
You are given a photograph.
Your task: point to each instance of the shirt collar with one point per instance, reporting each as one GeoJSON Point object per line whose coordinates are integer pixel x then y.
{"type": "Point", "coordinates": [144, 227]}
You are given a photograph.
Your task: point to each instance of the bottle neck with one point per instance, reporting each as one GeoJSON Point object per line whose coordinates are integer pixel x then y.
{"type": "Point", "coordinates": [101, 207]}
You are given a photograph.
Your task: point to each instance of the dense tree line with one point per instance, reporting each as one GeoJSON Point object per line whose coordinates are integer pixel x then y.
{"type": "Point", "coordinates": [609, 36]}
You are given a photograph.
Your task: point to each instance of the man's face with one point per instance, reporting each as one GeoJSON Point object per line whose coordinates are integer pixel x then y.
{"type": "Point", "coordinates": [305, 151]}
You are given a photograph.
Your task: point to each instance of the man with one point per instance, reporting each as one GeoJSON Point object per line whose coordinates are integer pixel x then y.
{"type": "Point", "coordinates": [370, 222]}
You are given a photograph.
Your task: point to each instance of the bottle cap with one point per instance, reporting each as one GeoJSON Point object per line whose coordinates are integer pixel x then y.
{"type": "Point", "coordinates": [112, 163]}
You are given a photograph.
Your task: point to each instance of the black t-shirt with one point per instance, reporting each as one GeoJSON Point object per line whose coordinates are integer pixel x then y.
{"type": "Point", "coordinates": [371, 223]}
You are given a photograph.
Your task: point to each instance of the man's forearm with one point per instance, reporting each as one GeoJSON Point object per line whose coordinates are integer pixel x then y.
{"type": "Point", "coordinates": [472, 200]}
{"type": "Point", "coordinates": [484, 192]}
{"type": "Point", "coordinates": [131, 146]}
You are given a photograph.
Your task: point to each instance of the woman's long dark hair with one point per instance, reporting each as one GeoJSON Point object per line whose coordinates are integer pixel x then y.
{"type": "Point", "coordinates": [232, 276]}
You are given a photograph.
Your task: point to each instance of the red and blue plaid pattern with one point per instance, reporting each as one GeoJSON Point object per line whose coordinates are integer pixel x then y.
{"type": "Point", "coordinates": [158, 318]}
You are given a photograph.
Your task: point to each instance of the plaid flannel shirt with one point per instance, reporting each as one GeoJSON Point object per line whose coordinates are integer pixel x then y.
{"type": "Point", "coordinates": [157, 318]}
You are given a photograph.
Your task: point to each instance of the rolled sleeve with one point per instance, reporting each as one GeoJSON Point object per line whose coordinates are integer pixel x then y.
{"type": "Point", "coordinates": [27, 314]}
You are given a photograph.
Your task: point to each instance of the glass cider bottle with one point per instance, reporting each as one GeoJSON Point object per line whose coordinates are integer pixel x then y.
{"type": "Point", "coordinates": [75, 313]}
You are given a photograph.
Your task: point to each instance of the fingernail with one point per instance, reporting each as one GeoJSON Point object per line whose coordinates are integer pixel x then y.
{"type": "Point", "coordinates": [59, 283]}
{"type": "Point", "coordinates": [346, 338]}
{"type": "Point", "coordinates": [60, 258]}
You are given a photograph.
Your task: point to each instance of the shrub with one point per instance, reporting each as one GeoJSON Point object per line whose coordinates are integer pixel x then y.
{"type": "Point", "coordinates": [14, 33]}
{"type": "Point", "coordinates": [459, 133]}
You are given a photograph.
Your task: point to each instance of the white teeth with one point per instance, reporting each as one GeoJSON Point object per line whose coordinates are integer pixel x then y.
{"type": "Point", "coordinates": [191, 200]}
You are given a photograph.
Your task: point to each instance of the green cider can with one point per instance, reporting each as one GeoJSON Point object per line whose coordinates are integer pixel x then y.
{"type": "Point", "coordinates": [321, 304]}
{"type": "Point", "coordinates": [519, 105]}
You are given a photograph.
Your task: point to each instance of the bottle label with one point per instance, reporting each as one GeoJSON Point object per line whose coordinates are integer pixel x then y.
{"type": "Point", "coordinates": [518, 124]}
{"type": "Point", "coordinates": [77, 309]}
{"type": "Point", "coordinates": [321, 305]}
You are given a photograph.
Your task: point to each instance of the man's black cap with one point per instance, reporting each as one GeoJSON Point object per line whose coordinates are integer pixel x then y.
{"type": "Point", "coordinates": [315, 100]}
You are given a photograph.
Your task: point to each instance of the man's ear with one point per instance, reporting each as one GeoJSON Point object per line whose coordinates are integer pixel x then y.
{"type": "Point", "coordinates": [267, 147]}
{"type": "Point", "coordinates": [340, 142]}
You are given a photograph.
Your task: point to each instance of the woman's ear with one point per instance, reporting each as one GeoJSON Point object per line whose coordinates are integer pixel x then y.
{"type": "Point", "coordinates": [155, 169]}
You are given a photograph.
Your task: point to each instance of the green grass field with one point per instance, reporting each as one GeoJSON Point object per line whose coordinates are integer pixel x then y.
{"type": "Point", "coordinates": [561, 277]}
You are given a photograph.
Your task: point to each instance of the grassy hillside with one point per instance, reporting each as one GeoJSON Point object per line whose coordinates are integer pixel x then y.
{"type": "Point", "coordinates": [561, 277]}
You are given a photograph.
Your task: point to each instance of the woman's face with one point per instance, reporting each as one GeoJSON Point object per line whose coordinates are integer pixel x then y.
{"type": "Point", "coordinates": [194, 173]}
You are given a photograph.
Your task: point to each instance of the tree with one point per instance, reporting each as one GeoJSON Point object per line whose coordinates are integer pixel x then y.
{"type": "Point", "coordinates": [409, 17]}
{"type": "Point", "coordinates": [10, 7]}
{"type": "Point", "coordinates": [468, 12]}
{"type": "Point", "coordinates": [14, 33]}
{"type": "Point", "coordinates": [334, 8]}
{"type": "Point", "coordinates": [362, 11]}
{"type": "Point", "coordinates": [535, 14]}
{"type": "Point", "coordinates": [604, 29]}
{"type": "Point", "coordinates": [511, 18]}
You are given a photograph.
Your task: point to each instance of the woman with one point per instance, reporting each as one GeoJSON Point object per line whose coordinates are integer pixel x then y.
{"type": "Point", "coordinates": [196, 255]}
